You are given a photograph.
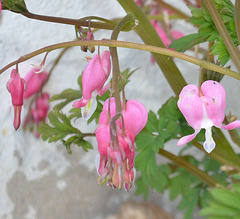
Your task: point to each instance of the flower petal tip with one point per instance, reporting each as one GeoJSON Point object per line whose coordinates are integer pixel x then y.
{"type": "Point", "coordinates": [209, 147]}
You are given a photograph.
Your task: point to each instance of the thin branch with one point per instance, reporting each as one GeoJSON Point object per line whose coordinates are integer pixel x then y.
{"type": "Point", "coordinates": [130, 45]}
{"type": "Point", "coordinates": [232, 49]}
{"type": "Point", "coordinates": [189, 167]}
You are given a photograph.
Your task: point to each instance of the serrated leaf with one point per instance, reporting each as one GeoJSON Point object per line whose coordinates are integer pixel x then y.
{"type": "Point", "coordinates": [142, 188]}
{"type": "Point", "coordinates": [152, 123]}
{"type": "Point", "coordinates": [68, 96]}
{"type": "Point", "coordinates": [143, 139]}
{"type": "Point", "coordinates": [189, 203]}
{"type": "Point", "coordinates": [158, 143]}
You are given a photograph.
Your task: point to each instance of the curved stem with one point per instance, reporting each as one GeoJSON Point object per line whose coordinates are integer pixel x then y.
{"type": "Point", "coordinates": [232, 49]}
{"type": "Point", "coordinates": [130, 45]}
{"type": "Point", "coordinates": [106, 24]}
{"type": "Point", "coordinates": [116, 70]}
{"type": "Point", "coordinates": [189, 167]}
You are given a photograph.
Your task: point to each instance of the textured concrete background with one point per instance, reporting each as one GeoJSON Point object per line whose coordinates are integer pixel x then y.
{"type": "Point", "coordinates": [40, 180]}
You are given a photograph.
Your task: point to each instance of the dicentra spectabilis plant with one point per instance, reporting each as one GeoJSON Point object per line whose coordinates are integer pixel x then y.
{"type": "Point", "coordinates": [128, 138]}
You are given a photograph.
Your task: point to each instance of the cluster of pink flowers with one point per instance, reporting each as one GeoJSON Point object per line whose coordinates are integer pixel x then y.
{"type": "Point", "coordinates": [115, 133]}
{"type": "Point", "coordinates": [116, 146]}
{"type": "Point", "coordinates": [21, 89]}
{"type": "Point", "coordinates": [204, 108]}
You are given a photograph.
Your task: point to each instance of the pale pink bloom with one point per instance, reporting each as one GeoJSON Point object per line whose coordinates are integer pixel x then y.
{"type": "Point", "coordinates": [115, 164]}
{"type": "Point", "coordinates": [93, 79]}
{"type": "Point", "coordinates": [34, 81]}
{"type": "Point", "coordinates": [0, 7]}
{"type": "Point", "coordinates": [16, 87]}
{"type": "Point", "coordinates": [204, 110]}
{"type": "Point", "coordinates": [40, 108]}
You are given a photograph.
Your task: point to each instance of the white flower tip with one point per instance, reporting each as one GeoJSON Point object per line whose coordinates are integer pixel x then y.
{"type": "Point", "coordinates": [209, 147]}
{"type": "Point", "coordinates": [97, 163]}
{"type": "Point", "coordinates": [89, 109]}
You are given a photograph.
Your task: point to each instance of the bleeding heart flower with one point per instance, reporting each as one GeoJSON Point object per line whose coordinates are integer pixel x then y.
{"type": "Point", "coordinates": [204, 109]}
{"type": "Point", "coordinates": [40, 108]}
{"type": "Point", "coordinates": [34, 81]}
{"type": "Point", "coordinates": [93, 79]}
{"type": "Point", "coordinates": [115, 164]}
{"type": "Point", "coordinates": [16, 87]}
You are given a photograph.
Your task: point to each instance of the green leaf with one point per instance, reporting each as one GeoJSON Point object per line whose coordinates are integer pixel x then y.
{"type": "Point", "coordinates": [17, 6]}
{"type": "Point", "coordinates": [227, 197]}
{"type": "Point", "coordinates": [142, 188]}
{"type": "Point", "coordinates": [187, 42]}
{"type": "Point", "coordinates": [152, 123]}
{"type": "Point", "coordinates": [68, 96]}
{"type": "Point", "coordinates": [189, 203]}
{"type": "Point", "coordinates": [143, 139]}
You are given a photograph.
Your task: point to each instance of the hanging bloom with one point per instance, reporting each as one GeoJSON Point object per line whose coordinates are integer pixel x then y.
{"type": "Point", "coordinates": [39, 111]}
{"type": "Point", "coordinates": [204, 109]}
{"type": "Point", "coordinates": [16, 87]}
{"type": "Point", "coordinates": [0, 7]}
{"type": "Point", "coordinates": [40, 108]}
{"type": "Point", "coordinates": [34, 81]}
{"type": "Point", "coordinates": [115, 164]}
{"type": "Point", "coordinates": [93, 79]}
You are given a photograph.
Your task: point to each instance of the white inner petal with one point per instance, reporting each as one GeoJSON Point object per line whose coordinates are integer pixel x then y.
{"type": "Point", "coordinates": [209, 144]}
{"type": "Point", "coordinates": [89, 109]}
{"type": "Point", "coordinates": [206, 122]}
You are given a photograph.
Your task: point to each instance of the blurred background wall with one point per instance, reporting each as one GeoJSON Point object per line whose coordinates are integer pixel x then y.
{"type": "Point", "coordinates": [40, 180]}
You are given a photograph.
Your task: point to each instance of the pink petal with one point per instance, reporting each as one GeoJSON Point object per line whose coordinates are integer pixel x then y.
{"type": "Point", "coordinates": [230, 126]}
{"type": "Point", "coordinates": [135, 116]}
{"type": "Point", "coordinates": [94, 76]}
{"type": "Point", "coordinates": [34, 82]}
{"type": "Point", "coordinates": [191, 106]}
{"type": "Point", "coordinates": [214, 101]}
{"type": "Point", "coordinates": [188, 138]}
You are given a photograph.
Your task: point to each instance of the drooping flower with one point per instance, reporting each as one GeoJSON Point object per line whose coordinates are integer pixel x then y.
{"type": "Point", "coordinates": [93, 79]}
{"type": "Point", "coordinates": [0, 7]}
{"type": "Point", "coordinates": [115, 164]}
{"type": "Point", "coordinates": [40, 108]}
{"type": "Point", "coordinates": [39, 111]}
{"type": "Point", "coordinates": [204, 109]}
{"type": "Point", "coordinates": [16, 87]}
{"type": "Point", "coordinates": [34, 81]}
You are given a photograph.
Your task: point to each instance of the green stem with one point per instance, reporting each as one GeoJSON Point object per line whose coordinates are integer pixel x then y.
{"type": "Point", "coordinates": [106, 24]}
{"type": "Point", "coordinates": [237, 18]}
{"type": "Point", "coordinates": [150, 37]}
{"type": "Point", "coordinates": [232, 49]}
{"type": "Point", "coordinates": [115, 63]}
{"type": "Point", "coordinates": [189, 167]}
{"type": "Point", "coordinates": [173, 9]}
{"type": "Point", "coordinates": [123, 44]}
